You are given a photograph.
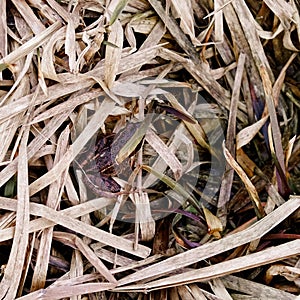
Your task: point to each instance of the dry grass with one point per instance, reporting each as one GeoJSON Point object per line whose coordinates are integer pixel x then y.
{"type": "Point", "coordinates": [69, 73]}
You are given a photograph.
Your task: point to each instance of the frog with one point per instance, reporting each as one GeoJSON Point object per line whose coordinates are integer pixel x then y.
{"type": "Point", "coordinates": [100, 166]}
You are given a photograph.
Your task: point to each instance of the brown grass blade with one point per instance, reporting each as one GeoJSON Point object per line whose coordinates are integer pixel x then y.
{"type": "Point", "coordinates": [183, 11]}
{"type": "Point", "coordinates": [179, 261]}
{"type": "Point", "coordinates": [248, 133]}
{"type": "Point", "coordinates": [68, 290]}
{"type": "Point", "coordinates": [12, 276]}
{"type": "Point", "coordinates": [113, 53]}
{"type": "Point", "coordinates": [54, 196]}
{"type": "Point", "coordinates": [75, 242]}
{"type": "Point", "coordinates": [283, 10]}
{"type": "Point", "coordinates": [255, 289]}
{"type": "Point", "coordinates": [144, 217]}
{"type": "Point", "coordinates": [43, 223]}
{"type": "Point", "coordinates": [25, 10]}
{"type": "Point", "coordinates": [31, 45]}
{"type": "Point", "coordinates": [230, 140]}
{"type": "Point", "coordinates": [224, 268]}
{"type": "Point", "coordinates": [164, 152]}
{"type": "Point", "coordinates": [3, 30]}
{"type": "Point", "coordinates": [248, 184]}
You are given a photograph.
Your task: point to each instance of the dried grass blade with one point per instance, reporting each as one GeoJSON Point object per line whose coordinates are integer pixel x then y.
{"type": "Point", "coordinates": [113, 54]}
{"type": "Point", "coordinates": [72, 83]}
{"type": "Point", "coordinates": [195, 128]}
{"type": "Point", "coordinates": [231, 131]}
{"type": "Point", "coordinates": [283, 10]}
{"type": "Point", "coordinates": [174, 186]}
{"type": "Point", "coordinates": [199, 71]}
{"type": "Point", "coordinates": [9, 128]}
{"type": "Point", "coordinates": [152, 39]}
{"type": "Point", "coordinates": [3, 31]}
{"type": "Point", "coordinates": [183, 11]}
{"type": "Point", "coordinates": [219, 289]}
{"type": "Point", "coordinates": [41, 79]}
{"type": "Point", "coordinates": [35, 145]}
{"type": "Point", "coordinates": [248, 184]}
{"type": "Point", "coordinates": [21, 75]}
{"type": "Point", "coordinates": [174, 29]}
{"type": "Point", "coordinates": [164, 152]}
{"type": "Point", "coordinates": [47, 64]}
{"type": "Point", "coordinates": [214, 224]}
{"type": "Point", "coordinates": [54, 196]}
{"type": "Point", "coordinates": [31, 45]}
{"type": "Point", "coordinates": [93, 232]}
{"type": "Point", "coordinates": [59, 9]}
{"type": "Point", "coordinates": [241, 44]}
{"type": "Point", "coordinates": [76, 267]}
{"type": "Point", "coordinates": [24, 9]}
{"type": "Point", "coordinates": [276, 134]}
{"type": "Point", "coordinates": [130, 265]}
{"type": "Point", "coordinates": [75, 242]}
{"type": "Point", "coordinates": [42, 223]}
{"type": "Point", "coordinates": [179, 261]}
{"type": "Point", "coordinates": [219, 26]}
{"type": "Point", "coordinates": [245, 162]}
{"type": "Point", "coordinates": [296, 17]}
{"type": "Point", "coordinates": [230, 139]}
{"type": "Point", "coordinates": [256, 290]}
{"type": "Point", "coordinates": [70, 44]}
{"type": "Point", "coordinates": [253, 41]}
{"type": "Point", "coordinates": [3, 66]}
{"type": "Point", "coordinates": [11, 279]}
{"type": "Point", "coordinates": [83, 49]}
{"type": "Point", "coordinates": [47, 12]}
{"type": "Point", "coordinates": [290, 273]}
{"type": "Point", "coordinates": [68, 290]}
{"type": "Point", "coordinates": [193, 65]}
{"type": "Point", "coordinates": [280, 80]}
{"type": "Point", "coordinates": [289, 150]}
{"type": "Point", "coordinates": [71, 103]}
{"type": "Point", "coordinates": [246, 135]}
{"type": "Point", "coordinates": [42, 261]}
{"type": "Point", "coordinates": [179, 137]}
{"type": "Point", "coordinates": [115, 258]}
{"type": "Point", "coordinates": [143, 216]}
{"type": "Point", "coordinates": [249, 261]}
{"type": "Point", "coordinates": [68, 219]}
